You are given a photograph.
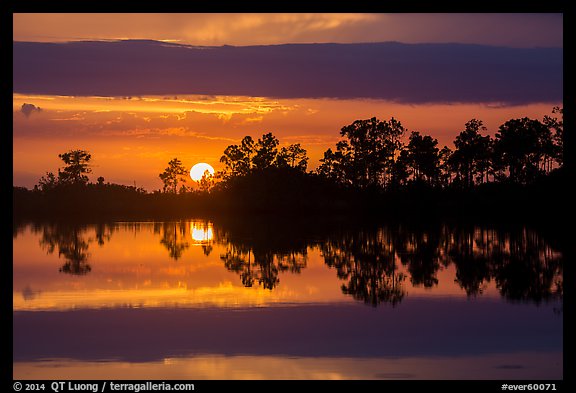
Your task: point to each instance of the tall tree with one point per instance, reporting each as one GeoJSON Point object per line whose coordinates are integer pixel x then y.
{"type": "Point", "coordinates": [394, 146]}
{"type": "Point", "coordinates": [47, 183]}
{"type": "Point", "coordinates": [472, 157]}
{"type": "Point", "coordinates": [232, 160]}
{"type": "Point", "coordinates": [266, 150]}
{"type": "Point", "coordinates": [556, 127]}
{"type": "Point", "coordinates": [445, 168]}
{"type": "Point", "coordinates": [293, 156]}
{"type": "Point", "coordinates": [401, 169]}
{"type": "Point", "coordinates": [327, 167]}
{"type": "Point", "coordinates": [237, 159]}
{"type": "Point", "coordinates": [423, 157]}
{"type": "Point", "coordinates": [206, 182]}
{"type": "Point", "coordinates": [368, 155]}
{"type": "Point", "coordinates": [77, 166]}
{"type": "Point", "coordinates": [172, 175]}
{"type": "Point", "coordinates": [519, 149]}
{"type": "Point", "coordinates": [248, 149]}
{"type": "Point", "coordinates": [332, 166]}
{"type": "Point", "coordinates": [372, 147]}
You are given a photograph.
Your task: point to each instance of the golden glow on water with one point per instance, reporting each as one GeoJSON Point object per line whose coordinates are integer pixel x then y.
{"type": "Point", "coordinates": [224, 294]}
{"type": "Point", "coordinates": [134, 269]}
{"type": "Point", "coordinates": [191, 264]}
{"type": "Point", "coordinates": [525, 366]}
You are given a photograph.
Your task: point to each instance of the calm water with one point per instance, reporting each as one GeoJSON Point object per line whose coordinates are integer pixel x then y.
{"type": "Point", "coordinates": [193, 299]}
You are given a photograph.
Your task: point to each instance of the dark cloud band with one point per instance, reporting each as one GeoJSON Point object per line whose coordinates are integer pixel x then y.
{"type": "Point", "coordinates": [406, 73]}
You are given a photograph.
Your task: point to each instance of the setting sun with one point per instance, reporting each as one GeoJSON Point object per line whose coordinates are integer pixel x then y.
{"type": "Point", "coordinates": [199, 169]}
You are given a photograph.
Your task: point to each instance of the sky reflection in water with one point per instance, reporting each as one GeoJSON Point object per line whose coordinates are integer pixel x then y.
{"type": "Point", "coordinates": [393, 297]}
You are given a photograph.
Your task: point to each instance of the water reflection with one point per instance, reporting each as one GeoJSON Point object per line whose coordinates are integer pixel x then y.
{"type": "Point", "coordinates": [444, 336]}
{"type": "Point", "coordinates": [470, 251]}
{"type": "Point", "coordinates": [523, 266]}
{"type": "Point", "coordinates": [72, 243]}
{"type": "Point", "coordinates": [421, 250]}
{"type": "Point", "coordinates": [526, 268]}
{"type": "Point", "coordinates": [145, 296]}
{"type": "Point", "coordinates": [202, 233]}
{"type": "Point", "coordinates": [367, 261]}
{"type": "Point", "coordinates": [173, 237]}
{"type": "Point", "coordinates": [506, 366]}
{"type": "Point", "coordinates": [29, 294]}
{"type": "Point", "coordinates": [373, 264]}
{"type": "Point", "coordinates": [258, 254]}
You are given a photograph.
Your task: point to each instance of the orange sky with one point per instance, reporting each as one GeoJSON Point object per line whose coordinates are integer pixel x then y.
{"type": "Point", "coordinates": [132, 140]}
{"type": "Point", "coordinates": [509, 29]}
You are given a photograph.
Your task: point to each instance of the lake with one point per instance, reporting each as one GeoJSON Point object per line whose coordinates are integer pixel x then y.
{"type": "Point", "coordinates": [283, 299]}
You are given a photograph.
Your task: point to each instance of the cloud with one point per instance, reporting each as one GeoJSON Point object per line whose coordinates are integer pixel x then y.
{"type": "Point", "coordinates": [28, 109]}
{"type": "Point", "coordinates": [404, 73]}
{"type": "Point", "coordinates": [507, 29]}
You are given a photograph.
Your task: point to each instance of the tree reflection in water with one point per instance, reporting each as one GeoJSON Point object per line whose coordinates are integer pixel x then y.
{"type": "Point", "coordinates": [366, 259]}
{"type": "Point", "coordinates": [72, 242]}
{"type": "Point", "coordinates": [375, 262]}
{"type": "Point", "coordinates": [526, 268]}
{"type": "Point", "coordinates": [173, 237]}
{"type": "Point", "coordinates": [202, 233]}
{"type": "Point", "coordinates": [259, 252]}
{"type": "Point", "coordinates": [523, 266]}
{"type": "Point", "coordinates": [470, 250]}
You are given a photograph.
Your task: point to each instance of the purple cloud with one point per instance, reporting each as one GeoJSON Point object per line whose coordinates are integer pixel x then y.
{"type": "Point", "coordinates": [406, 73]}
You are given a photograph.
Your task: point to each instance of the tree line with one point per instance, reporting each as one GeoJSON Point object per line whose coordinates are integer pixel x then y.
{"type": "Point", "coordinates": [375, 154]}
{"type": "Point", "coordinates": [374, 264]}
{"type": "Point", "coordinates": [377, 166]}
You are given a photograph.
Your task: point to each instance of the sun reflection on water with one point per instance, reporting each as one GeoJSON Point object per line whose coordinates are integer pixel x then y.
{"type": "Point", "coordinates": [202, 232]}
